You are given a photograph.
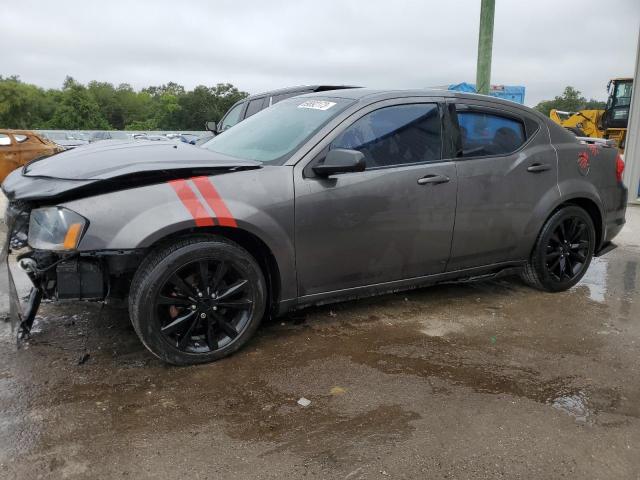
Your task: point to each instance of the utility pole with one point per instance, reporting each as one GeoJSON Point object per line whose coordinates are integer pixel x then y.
{"type": "Point", "coordinates": [485, 45]}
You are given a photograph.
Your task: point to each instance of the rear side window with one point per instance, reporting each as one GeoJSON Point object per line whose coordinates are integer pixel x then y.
{"type": "Point", "coordinates": [397, 135]}
{"type": "Point", "coordinates": [485, 134]}
{"type": "Point", "coordinates": [255, 106]}
{"type": "Point", "coordinates": [5, 140]}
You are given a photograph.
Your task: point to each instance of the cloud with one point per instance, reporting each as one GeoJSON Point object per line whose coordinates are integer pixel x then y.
{"type": "Point", "coordinates": [257, 45]}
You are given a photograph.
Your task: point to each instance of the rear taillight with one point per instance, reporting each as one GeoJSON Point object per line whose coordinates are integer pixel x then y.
{"type": "Point", "coordinates": [619, 168]}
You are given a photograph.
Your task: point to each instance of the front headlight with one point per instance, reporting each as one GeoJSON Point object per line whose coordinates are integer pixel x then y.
{"type": "Point", "coordinates": [55, 228]}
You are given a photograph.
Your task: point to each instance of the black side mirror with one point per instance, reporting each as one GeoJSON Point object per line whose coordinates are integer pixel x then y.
{"type": "Point", "coordinates": [212, 127]}
{"type": "Point", "coordinates": [340, 160]}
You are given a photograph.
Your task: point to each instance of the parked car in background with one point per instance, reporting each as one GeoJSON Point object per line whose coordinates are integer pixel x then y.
{"type": "Point", "coordinates": [18, 147]}
{"type": "Point", "coordinates": [320, 198]}
{"type": "Point", "coordinates": [204, 138]}
{"type": "Point", "coordinates": [189, 138]}
{"type": "Point", "coordinates": [252, 104]}
{"type": "Point", "coordinates": [150, 136]}
{"type": "Point", "coordinates": [64, 139]}
{"type": "Point", "coordinates": [156, 138]}
{"type": "Point", "coordinates": [109, 135]}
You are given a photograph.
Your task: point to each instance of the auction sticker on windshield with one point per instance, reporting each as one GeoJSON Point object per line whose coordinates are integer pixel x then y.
{"type": "Point", "coordinates": [317, 104]}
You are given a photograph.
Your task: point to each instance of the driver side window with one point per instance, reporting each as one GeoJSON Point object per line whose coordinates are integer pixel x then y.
{"type": "Point", "coordinates": [396, 135]}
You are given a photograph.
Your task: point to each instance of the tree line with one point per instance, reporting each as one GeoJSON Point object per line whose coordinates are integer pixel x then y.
{"type": "Point", "coordinates": [103, 106]}
{"type": "Point", "coordinates": [571, 100]}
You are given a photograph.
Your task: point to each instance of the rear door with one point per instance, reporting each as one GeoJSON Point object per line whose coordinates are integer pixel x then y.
{"type": "Point", "coordinates": [390, 222]}
{"type": "Point", "coordinates": [507, 172]}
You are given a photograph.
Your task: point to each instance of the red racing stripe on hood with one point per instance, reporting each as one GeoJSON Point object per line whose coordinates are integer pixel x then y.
{"type": "Point", "coordinates": [191, 202]}
{"type": "Point", "coordinates": [219, 207]}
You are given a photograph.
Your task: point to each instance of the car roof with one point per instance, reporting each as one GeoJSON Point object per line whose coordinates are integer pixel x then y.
{"type": "Point", "coordinates": [17, 132]}
{"type": "Point", "coordinates": [299, 88]}
{"type": "Point", "coordinates": [368, 95]}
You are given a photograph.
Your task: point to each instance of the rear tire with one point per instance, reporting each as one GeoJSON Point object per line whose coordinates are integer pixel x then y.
{"type": "Point", "coordinates": [563, 251]}
{"type": "Point", "coordinates": [197, 300]}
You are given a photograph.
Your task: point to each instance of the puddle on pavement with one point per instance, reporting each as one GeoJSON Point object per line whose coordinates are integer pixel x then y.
{"type": "Point", "coordinates": [440, 339]}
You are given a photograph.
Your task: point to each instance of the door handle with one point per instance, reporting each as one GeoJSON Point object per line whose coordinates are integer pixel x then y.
{"type": "Point", "coordinates": [433, 179]}
{"type": "Point", "coordinates": [538, 167]}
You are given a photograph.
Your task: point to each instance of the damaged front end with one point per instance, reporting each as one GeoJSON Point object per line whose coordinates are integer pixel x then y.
{"type": "Point", "coordinates": [22, 316]}
{"type": "Point", "coordinates": [59, 275]}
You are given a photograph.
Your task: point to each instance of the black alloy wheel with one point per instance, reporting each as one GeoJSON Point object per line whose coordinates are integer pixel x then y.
{"type": "Point", "coordinates": [204, 306]}
{"type": "Point", "coordinates": [563, 250]}
{"type": "Point", "coordinates": [568, 249]}
{"type": "Point", "coordinates": [197, 300]}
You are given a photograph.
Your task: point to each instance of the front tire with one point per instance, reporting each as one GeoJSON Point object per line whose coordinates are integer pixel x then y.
{"type": "Point", "coordinates": [563, 251]}
{"type": "Point", "coordinates": [197, 300]}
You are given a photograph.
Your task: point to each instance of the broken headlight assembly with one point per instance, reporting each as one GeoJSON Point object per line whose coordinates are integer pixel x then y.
{"type": "Point", "coordinates": [56, 228]}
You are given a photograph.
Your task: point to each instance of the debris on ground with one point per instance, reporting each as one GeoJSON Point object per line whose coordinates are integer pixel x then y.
{"type": "Point", "coordinates": [84, 358]}
{"type": "Point", "coordinates": [304, 402]}
{"type": "Point", "coordinates": [337, 390]}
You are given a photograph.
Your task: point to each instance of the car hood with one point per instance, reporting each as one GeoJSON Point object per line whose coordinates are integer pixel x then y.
{"type": "Point", "coordinates": [115, 165]}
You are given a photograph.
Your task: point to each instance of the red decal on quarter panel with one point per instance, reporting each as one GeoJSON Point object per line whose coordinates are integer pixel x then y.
{"type": "Point", "coordinates": [214, 201]}
{"type": "Point", "coordinates": [191, 202]}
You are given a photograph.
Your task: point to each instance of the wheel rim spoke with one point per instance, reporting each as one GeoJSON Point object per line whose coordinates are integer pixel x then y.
{"type": "Point", "coordinates": [203, 266]}
{"type": "Point", "coordinates": [563, 235]}
{"type": "Point", "coordinates": [177, 323]}
{"type": "Point", "coordinates": [225, 326]}
{"type": "Point", "coordinates": [235, 288]}
{"type": "Point", "coordinates": [184, 340]}
{"type": "Point", "coordinates": [578, 232]}
{"type": "Point", "coordinates": [552, 255]}
{"type": "Point", "coordinates": [579, 256]}
{"type": "Point", "coordinates": [212, 341]}
{"type": "Point", "coordinates": [219, 274]}
{"type": "Point", "coordinates": [183, 286]}
{"type": "Point", "coordinates": [164, 300]}
{"type": "Point", "coordinates": [238, 305]}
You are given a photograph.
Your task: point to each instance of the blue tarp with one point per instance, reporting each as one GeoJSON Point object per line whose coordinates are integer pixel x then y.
{"type": "Point", "coordinates": [514, 93]}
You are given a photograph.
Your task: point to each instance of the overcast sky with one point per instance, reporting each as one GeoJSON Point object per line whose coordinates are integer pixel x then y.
{"type": "Point", "coordinates": [260, 45]}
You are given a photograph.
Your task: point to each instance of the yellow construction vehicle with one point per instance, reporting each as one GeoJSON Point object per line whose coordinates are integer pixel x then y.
{"type": "Point", "coordinates": [610, 123]}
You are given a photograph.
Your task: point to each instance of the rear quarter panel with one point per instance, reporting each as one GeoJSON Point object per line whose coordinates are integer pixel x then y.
{"type": "Point", "coordinates": [589, 171]}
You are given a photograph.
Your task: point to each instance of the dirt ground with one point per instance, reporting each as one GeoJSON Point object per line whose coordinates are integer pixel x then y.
{"type": "Point", "coordinates": [488, 380]}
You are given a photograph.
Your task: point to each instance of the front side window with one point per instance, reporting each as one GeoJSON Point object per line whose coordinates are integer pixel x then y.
{"type": "Point", "coordinates": [20, 138]}
{"type": "Point", "coordinates": [255, 106]}
{"type": "Point", "coordinates": [274, 134]}
{"type": "Point", "coordinates": [232, 117]}
{"type": "Point", "coordinates": [485, 134]}
{"type": "Point", "coordinates": [396, 135]}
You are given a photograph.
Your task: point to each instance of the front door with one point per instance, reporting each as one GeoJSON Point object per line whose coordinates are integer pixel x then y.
{"type": "Point", "coordinates": [391, 222]}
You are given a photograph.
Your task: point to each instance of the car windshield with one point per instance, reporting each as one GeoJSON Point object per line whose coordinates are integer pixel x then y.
{"type": "Point", "coordinates": [274, 134]}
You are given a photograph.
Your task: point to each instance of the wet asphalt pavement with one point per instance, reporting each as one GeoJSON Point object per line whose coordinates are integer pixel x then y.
{"type": "Point", "coordinates": [486, 380]}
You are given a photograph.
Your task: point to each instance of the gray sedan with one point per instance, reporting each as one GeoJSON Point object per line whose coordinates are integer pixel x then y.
{"type": "Point", "coordinates": [320, 198]}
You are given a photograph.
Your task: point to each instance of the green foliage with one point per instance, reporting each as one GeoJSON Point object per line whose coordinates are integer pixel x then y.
{"type": "Point", "coordinates": [101, 106]}
{"type": "Point", "coordinates": [571, 100]}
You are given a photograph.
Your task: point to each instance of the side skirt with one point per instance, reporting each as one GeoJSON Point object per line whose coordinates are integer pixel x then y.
{"type": "Point", "coordinates": [459, 276]}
